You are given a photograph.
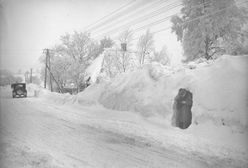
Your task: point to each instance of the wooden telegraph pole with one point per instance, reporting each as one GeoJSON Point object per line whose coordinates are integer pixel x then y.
{"type": "Point", "coordinates": [49, 65]}
{"type": "Point", "coordinates": [31, 71]}
{"type": "Point", "coordinates": [48, 68]}
{"type": "Point", "coordinates": [124, 49]}
{"type": "Point", "coordinates": [45, 81]}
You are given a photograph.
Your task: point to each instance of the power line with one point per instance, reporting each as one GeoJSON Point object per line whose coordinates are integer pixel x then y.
{"type": "Point", "coordinates": [113, 12]}
{"type": "Point", "coordinates": [125, 12]}
{"type": "Point", "coordinates": [131, 24]}
{"type": "Point", "coordinates": [153, 23]}
{"type": "Point", "coordinates": [112, 21]}
{"type": "Point", "coordinates": [149, 15]}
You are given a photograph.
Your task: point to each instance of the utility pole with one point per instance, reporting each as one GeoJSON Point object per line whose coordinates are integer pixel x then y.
{"type": "Point", "coordinates": [46, 50]}
{"type": "Point", "coordinates": [48, 68]}
{"type": "Point", "coordinates": [124, 49]}
{"type": "Point", "coordinates": [31, 70]}
{"type": "Point", "coordinates": [60, 89]}
{"type": "Point", "coordinates": [49, 65]}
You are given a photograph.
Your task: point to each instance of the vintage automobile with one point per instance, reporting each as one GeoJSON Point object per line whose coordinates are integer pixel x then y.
{"type": "Point", "coordinates": [19, 90]}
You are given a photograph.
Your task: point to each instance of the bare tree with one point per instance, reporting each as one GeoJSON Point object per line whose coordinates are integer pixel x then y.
{"type": "Point", "coordinates": [71, 58]}
{"type": "Point", "coordinates": [115, 62]}
{"type": "Point", "coordinates": [123, 58]}
{"type": "Point", "coordinates": [126, 37]}
{"type": "Point", "coordinates": [110, 63]}
{"type": "Point", "coordinates": [106, 42]}
{"type": "Point", "coordinates": [145, 46]}
{"type": "Point", "coordinates": [80, 49]}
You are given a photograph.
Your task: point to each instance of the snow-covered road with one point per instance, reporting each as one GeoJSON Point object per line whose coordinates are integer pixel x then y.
{"type": "Point", "coordinates": [38, 134]}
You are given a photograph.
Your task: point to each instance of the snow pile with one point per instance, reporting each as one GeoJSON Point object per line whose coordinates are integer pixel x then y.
{"type": "Point", "coordinates": [135, 92]}
{"type": "Point", "coordinates": [91, 96]}
{"type": "Point", "coordinates": [58, 98]}
{"type": "Point", "coordinates": [219, 91]}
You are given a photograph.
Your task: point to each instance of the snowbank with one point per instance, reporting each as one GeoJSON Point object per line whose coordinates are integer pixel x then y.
{"type": "Point", "coordinates": [58, 98]}
{"type": "Point", "coordinates": [219, 91]}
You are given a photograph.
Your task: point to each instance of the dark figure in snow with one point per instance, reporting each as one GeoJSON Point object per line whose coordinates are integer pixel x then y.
{"type": "Point", "coordinates": [182, 115]}
{"type": "Point", "coordinates": [87, 82]}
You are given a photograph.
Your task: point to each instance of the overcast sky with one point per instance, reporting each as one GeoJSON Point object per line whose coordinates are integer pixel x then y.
{"type": "Point", "coordinates": [29, 26]}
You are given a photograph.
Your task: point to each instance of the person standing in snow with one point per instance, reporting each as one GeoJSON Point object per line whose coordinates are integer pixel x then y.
{"type": "Point", "coordinates": [182, 115]}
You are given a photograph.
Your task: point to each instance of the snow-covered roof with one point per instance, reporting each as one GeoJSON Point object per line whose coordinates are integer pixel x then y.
{"type": "Point", "coordinates": [95, 68]}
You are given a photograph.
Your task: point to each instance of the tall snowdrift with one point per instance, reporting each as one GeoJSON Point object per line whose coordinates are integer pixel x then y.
{"type": "Point", "coordinates": [219, 91]}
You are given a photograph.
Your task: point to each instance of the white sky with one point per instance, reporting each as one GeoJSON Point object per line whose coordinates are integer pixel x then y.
{"type": "Point", "coordinates": [29, 26]}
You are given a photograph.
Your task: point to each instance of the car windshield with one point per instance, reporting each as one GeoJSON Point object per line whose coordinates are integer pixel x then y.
{"type": "Point", "coordinates": [19, 86]}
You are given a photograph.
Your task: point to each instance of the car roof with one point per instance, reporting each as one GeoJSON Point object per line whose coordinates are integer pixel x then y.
{"type": "Point", "coordinates": [14, 84]}
{"type": "Point", "coordinates": [18, 83]}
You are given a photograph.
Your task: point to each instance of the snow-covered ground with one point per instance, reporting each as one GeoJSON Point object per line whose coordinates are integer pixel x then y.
{"type": "Point", "coordinates": [38, 133]}
{"type": "Point", "coordinates": [126, 122]}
